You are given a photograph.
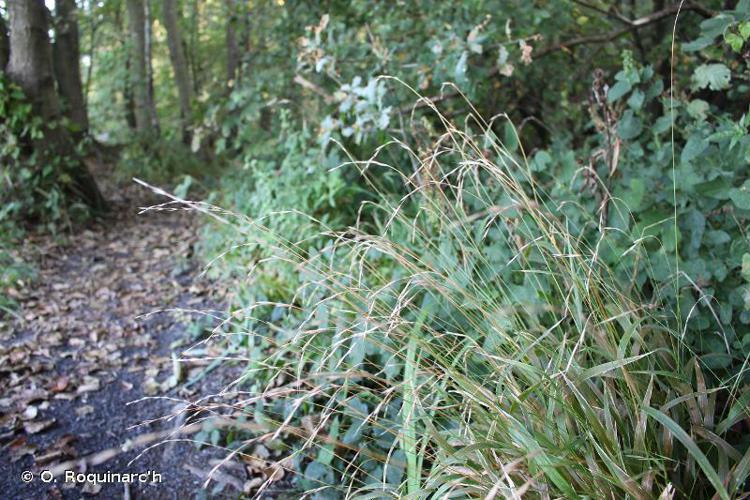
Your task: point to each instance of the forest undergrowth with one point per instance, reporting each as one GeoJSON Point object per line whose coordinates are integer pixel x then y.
{"type": "Point", "coordinates": [518, 266]}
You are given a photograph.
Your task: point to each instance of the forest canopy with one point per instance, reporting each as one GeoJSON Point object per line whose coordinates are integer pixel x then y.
{"type": "Point", "coordinates": [482, 248]}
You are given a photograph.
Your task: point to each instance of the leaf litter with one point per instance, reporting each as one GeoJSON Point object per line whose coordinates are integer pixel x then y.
{"type": "Point", "coordinates": [81, 349]}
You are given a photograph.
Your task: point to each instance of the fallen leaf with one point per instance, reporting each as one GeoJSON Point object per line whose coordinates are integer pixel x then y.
{"type": "Point", "coordinates": [60, 384]}
{"type": "Point", "coordinates": [35, 427]}
{"type": "Point", "coordinates": [91, 488]}
{"type": "Point", "coordinates": [89, 384]}
{"type": "Point", "coordinates": [30, 413]}
{"type": "Point", "coordinates": [84, 410]}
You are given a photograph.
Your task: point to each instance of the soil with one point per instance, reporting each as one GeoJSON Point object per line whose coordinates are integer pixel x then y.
{"type": "Point", "coordinates": [88, 378]}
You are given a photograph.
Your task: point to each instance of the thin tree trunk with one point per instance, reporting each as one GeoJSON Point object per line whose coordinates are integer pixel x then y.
{"type": "Point", "coordinates": [129, 97]}
{"type": "Point", "coordinates": [91, 53]}
{"type": "Point", "coordinates": [193, 45]}
{"type": "Point", "coordinates": [4, 45]}
{"type": "Point", "coordinates": [139, 63]}
{"type": "Point", "coordinates": [30, 67]}
{"type": "Point", "coordinates": [127, 83]}
{"type": "Point", "coordinates": [233, 49]}
{"type": "Point", "coordinates": [67, 68]}
{"type": "Point", "coordinates": [179, 65]}
{"type": "Point", "coordinates": [148, 45]}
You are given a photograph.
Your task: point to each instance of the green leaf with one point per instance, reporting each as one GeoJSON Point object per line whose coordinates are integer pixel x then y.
{"type": "Point", "coordinates": [735, 41]}
{"type": "Point", "coordinates": [717, 188]}
{"type": "Point", "coordinates": [618, 90]}
{"type": "Point", "coordinates": [629, 126]}
{"type": "Point", "coordinates": [740, 198]}
{"type": "Point", "coordinates": [714, 76]}
{"type": "Point", "coordinates": [715, 26]}
{"type": "Point", "coordinates": [662, 124]}
{"type": "Point", "coordinates": [746, 267]}
{"type": "Point", "coordinates": [698, 109]}
{"type": "Point", "coordinates": [716, 238]}
{"type": "Point", "coordinates": [540, 161]}
{"type": "Point", "coordinates": [602, 369]}
{"type": "Point", "coordinates": [698, 44]}
{"type": "Point", "coordinates": [688, 443]}
{"type": "Point", "coordinates": [737, 412]}
{"type": "Point", "coordinates": [695, 145]}
{"type": "Point", "coordinates": [634, 195]}
{"type": "Point", "coordinates": [636, 99]}
{"type": "Point", "coordinates": [510, 137]}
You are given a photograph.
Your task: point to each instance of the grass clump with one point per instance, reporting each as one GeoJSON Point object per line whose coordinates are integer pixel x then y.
{"type": "Point", "coordinates": [459, 340]}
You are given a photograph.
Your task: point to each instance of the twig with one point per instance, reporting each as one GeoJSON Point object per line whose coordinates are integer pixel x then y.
{"type": "Point", "coordinates": [219, 476]}
{"type": "Point", "coordinates": [131, 444]}
{"type": "Point", "coordinates": [300, 80]}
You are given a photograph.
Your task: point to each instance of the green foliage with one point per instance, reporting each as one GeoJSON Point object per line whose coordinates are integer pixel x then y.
{"type": "Point", "coordinates": [465, 328]}
{"type": "Point", "coordinates": [287, 187]}
{"type": "Point", "coordinates": [710, 201]}
{"type": "Point", "coordinates": [561, 308]}
{"type": "Point", "coordinates": [460, 317]}
{"type": "Point", "coordinates": [13, 270]}
{"type": "Point", "coordinates": [35, 185]}
{"type": "Point", "coordinates": [162, 161]}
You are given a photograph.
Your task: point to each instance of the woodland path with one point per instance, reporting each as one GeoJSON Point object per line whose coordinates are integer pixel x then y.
{"type": "Point", "coordinates": [81, 353]}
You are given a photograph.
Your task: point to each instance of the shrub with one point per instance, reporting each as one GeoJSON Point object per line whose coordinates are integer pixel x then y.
{"type": "Point", "coordinates": [286, 186]}
{"type": "Point", "coordinates": [466, 340]}
{"type": "Point", "coordinates": [35, 187]}
{"type": "Point", "coordinates": [162, 160]}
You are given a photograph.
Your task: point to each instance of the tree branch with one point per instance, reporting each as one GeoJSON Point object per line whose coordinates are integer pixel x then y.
{"type": "Point", "coordinates": [302, 81]}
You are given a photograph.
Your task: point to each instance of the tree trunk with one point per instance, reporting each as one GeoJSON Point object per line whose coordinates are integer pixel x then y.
{"type": "Point", "coordinates": [148, 44]}
{"type": "Point", "coordinates": [233, 49]}
{"type": "Point", "coordinates": [4, 45]}
{"type": "Point", "coordinates": [127, 83]}
{"type": "Point", "coordinates": [179, 65]}
{"type": "Point", "coordinates": [129, 97]}
{"type": "Point", "coordinates": [30, 67]}
{"type": "Point", "coordinates": [140, 61]}
{"type": "Point", "coordinates": [193, 45]}
{"type": "Point", "coordinates": [93, 27]}
{"type": "Point", "coordinates": [66, 63]}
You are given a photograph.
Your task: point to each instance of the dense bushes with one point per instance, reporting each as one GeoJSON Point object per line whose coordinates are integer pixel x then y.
{"type": "Point", "coordinates": [35, 186]}
{"type": "Point", "coordinates": [454, 313]}
{"type": "Point", "coordinates": [463, 339]}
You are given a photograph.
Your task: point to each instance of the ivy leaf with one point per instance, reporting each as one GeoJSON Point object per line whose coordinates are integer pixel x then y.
{"type": "Point", "coordinates": [714, 76]}
{"type": "Point", "coordinates": [540, 161]}
{"type": "Point", "coordinates": [717, 238]}
{"type": "Point", "coordinates": [662, 124]}
{"type": "Point", "coordinates": [460, 70]}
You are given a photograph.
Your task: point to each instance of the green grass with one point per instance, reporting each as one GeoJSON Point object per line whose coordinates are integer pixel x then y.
{"type": "Point", "coordinates": [516, 362]}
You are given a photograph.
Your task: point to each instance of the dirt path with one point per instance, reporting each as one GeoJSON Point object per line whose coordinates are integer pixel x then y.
{"type": "Point", "coordinates": [71, 367]}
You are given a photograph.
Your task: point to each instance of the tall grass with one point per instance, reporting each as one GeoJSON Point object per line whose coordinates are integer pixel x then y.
{"type": "Point", "coordinates": [464, 324]}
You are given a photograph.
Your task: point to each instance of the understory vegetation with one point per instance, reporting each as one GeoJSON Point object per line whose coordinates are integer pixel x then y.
{"type": "Point", "coordinates": [467, 249]}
